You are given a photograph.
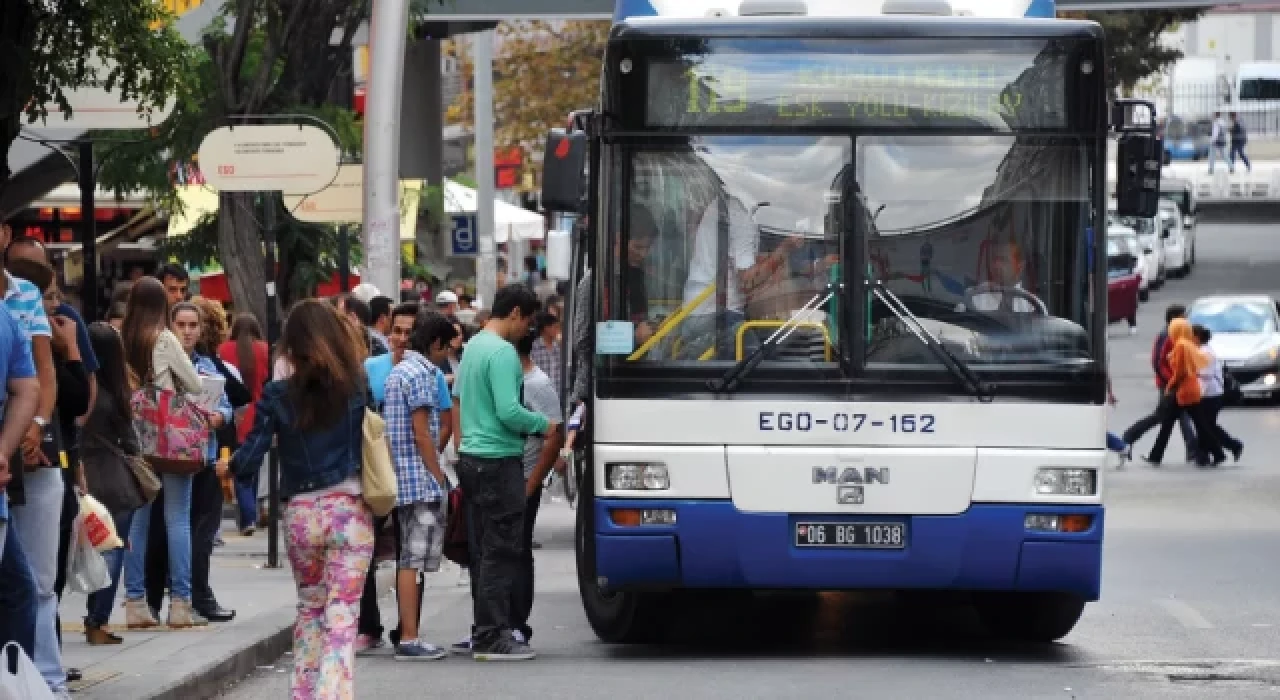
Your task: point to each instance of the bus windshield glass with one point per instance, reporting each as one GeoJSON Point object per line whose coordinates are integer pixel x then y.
{"type": "Point", "coordinates": [764, 174]}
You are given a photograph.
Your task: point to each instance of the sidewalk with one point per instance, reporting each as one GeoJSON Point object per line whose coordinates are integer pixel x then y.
{"type": "Point", "coordinates": [200, 662]}
{"type": "Point", "coordinates": [203, 662]}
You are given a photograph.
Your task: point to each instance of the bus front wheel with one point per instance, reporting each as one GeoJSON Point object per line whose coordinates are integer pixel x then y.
{"type": "Point", "coordinates": [617, 617]}
{"type": "Point", "coordinates": [1029, 617]}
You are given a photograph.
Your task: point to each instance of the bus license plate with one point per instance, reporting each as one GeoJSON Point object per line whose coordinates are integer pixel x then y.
{"type": "Point", "coordinates": [857, 535]}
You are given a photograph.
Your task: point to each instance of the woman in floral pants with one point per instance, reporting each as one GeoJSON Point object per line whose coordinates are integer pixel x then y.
{"type": "Point", "coordinates": [316, 414]}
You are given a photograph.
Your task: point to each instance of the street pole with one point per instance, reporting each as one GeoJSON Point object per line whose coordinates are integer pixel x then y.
{"type": "Point", "coordinates": [89, 244]}
{"type": "Point", "coordinates": [273, 335]}
{"type": "Point", "coordinates": [487, 259]}
{"type": "Point", "coordinates": [381, 231]}
{"type": "Point", "coordinates": [344, 258]}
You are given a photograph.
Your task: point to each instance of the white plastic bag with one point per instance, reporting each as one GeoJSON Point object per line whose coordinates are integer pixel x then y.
{"type": "Point", "coordinates": [86, 568]}
{"type": "Point", "coordinates": [97, 524]}
{"type": "Point", "coordinates": [25, 682]}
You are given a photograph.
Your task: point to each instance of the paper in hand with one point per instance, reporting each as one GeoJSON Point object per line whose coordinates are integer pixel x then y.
{"type": "Point", "coordinates": [210, 392]}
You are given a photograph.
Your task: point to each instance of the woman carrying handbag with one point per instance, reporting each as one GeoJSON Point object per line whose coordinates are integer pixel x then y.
{"type": "Point", "coordinates": [113, 468]}
{"type": "Point", "coordinates": [161, 414]}
{"type": "Point", "coordinates": [316, 416]}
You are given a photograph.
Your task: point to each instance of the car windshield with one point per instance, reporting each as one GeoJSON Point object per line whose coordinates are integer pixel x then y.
{"type": "Point", "coordinates": [1234, 316]}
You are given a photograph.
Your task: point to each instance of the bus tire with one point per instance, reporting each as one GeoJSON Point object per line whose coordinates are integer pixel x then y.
{"type": "Point", "coordinates": [617, 617]}
{"type": "Point", "coordinates": [1029, 617]}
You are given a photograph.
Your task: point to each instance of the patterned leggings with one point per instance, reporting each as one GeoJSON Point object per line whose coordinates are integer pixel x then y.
{"type": "Point", "coordinates": [330, 544]}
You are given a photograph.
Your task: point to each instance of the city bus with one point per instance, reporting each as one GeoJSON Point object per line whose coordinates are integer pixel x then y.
{"type": "Point", "coordinates": [846, 308]}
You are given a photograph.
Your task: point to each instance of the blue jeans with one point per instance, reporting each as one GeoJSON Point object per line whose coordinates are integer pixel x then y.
{"type": "Point", "coordinates": [37, 525]}
{"type": "Point", "coordinates": [98, 606]}
{"type": "Point", "coordinates": [176, 501]}
{"type": "Point", "coordinates": [1217, 151]}
{"type": "Point", "coordinates": [247, 500]}
{"type": "Point", "coordinates": [17, 592]}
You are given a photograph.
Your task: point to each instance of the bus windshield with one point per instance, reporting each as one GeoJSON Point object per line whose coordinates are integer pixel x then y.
{"type": "Point", "coordinates": [774, 184]}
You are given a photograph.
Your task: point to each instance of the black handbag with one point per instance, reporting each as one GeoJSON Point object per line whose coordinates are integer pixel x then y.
{"type": "Point", "coordinates": [109, 474]}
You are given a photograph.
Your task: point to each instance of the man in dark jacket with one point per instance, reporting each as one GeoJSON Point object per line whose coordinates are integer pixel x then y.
{"type": "Point", "coordinates": [1160, 350]}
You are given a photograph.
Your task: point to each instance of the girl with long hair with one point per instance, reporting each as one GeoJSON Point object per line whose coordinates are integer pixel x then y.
{"type": "Point", "coordinates": [155, 356]}
{"type": "Point", "coordinates": [316, 416]}
{"type": "Point", "coordinates": [108, 435]}
{"type": "Point", "coordinates": [247, 351]}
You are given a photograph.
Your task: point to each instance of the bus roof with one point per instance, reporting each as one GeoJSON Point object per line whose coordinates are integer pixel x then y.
{"type": "Point", "coordinates": [690, 9]}
{"type": "Point", "coordinates": [891, 27]}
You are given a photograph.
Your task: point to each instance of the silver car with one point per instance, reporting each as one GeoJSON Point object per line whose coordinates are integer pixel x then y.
{"type": "Point", "coordinates": [1245, 335]}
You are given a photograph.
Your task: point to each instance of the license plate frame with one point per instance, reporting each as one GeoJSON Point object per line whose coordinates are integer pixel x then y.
{"type": "Point", "coordinates": [831, 534]}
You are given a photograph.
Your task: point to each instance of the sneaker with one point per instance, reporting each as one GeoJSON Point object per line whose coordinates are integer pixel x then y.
{"type": "Point", "coordinates": [503, 649]}
{"type": "Point", "coordinates": [366, 643]}
{"type": "Point", "coordinates": [418, 650]}
{"type": "Point", "coordinates": [462, 646]}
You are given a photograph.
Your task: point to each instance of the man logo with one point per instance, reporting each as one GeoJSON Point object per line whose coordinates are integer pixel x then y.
{"type": "Point", "coordinates": [851, 475]}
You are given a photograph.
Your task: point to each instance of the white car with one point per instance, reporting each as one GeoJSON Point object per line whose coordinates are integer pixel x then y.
{"type": "Point", "coordinates": [1245, 335]}
{"type": "Point", "coordinates": [1173, 235]}
{"type": "Point", "coordinates": [1128, 240]}
{"type": "Point", "coordinates": [1152, 245]}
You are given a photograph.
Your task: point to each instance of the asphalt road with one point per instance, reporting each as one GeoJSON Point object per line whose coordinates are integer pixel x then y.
{"type": "Point", "coordinates": [1190, 607]}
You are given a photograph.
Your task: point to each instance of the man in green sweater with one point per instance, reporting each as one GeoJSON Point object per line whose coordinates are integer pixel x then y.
{"type": "Point", "coordinates": [494, 425]}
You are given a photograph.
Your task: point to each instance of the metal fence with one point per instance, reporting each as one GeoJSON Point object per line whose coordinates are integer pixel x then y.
{"type": "Point", "coordinates": [1190, 107]}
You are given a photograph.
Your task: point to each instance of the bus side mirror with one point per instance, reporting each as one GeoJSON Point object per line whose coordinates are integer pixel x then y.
{"type": "Point", "coordinates": [564, 183]}
{"type": "Point", "coordinates": [1138, 175]}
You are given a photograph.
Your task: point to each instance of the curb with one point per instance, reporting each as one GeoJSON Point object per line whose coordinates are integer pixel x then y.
{"type": "Point", "coordinates": [225, 662]}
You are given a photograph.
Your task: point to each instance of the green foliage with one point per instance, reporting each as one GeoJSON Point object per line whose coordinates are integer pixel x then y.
{"type": "Point", "coordinates": [50, 47]}
{"type": "Point", "coordinates": [1134, 47]}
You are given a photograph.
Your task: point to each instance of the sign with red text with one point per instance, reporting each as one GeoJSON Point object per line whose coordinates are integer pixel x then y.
{"type": "Point", "coordinates": [288, 158]}
{"type": "Point", "coordinates": [340, 203]}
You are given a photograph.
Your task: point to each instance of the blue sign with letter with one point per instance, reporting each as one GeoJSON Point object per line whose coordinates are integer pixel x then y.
{"type": "Point", "coordinates": [463, 241]}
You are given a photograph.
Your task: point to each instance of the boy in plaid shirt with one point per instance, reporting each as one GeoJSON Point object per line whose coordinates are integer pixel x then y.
{"type": "Point", "coordinates": [412, 412]}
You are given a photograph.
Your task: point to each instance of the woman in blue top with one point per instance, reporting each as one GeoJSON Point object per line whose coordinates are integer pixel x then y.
{"type": "Point", "coordinates": [316, 416]}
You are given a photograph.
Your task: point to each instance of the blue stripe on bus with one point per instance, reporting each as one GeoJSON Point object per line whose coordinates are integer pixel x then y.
{"type": "Point", "coordinates": [714, 545]}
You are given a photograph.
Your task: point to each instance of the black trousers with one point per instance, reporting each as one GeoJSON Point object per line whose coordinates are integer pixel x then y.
{"type": "Point", "coordinates": [495, 535]}
{"type": "Point", "coordinates": [70, 509]}
{"type": "Point", "coordinates": [1212, 406]}
{"type": "Point", "coordinates": [1167, 414]}
{"type": "Point", "coordinates": [522, 592]}
{"type": "Point", "coordinates": [370, 616]}
{"type": "Point", "coordinates": [206, 523]}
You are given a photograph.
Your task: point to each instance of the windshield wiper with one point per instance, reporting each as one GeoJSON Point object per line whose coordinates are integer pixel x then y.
{"type": "Point", "coordinates": [961, 371]}
{"type": "Point", "coordinates": [730, 380]}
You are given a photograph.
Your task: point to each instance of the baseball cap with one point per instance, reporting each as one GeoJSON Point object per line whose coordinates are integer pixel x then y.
{"type": "Point", "coordinates": [446, 297]}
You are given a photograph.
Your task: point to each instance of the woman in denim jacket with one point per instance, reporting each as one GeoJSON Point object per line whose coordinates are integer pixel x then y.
{"type": "Point", "coordinates": [316, 416]}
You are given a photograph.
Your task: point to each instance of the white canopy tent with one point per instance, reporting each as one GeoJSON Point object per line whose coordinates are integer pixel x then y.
{"type": "Point", "coordinates": [510, 222]}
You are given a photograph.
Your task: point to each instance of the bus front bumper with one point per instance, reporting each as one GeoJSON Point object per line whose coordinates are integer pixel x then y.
{"type": "Point", "coordinates": [712, 544]}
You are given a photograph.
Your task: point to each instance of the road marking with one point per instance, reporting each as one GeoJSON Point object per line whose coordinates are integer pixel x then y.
{"type": "Point", "coordinates": [1187, 615]}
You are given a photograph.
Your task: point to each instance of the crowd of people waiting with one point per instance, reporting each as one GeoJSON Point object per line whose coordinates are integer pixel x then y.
{"type": "Point", "coordinates": [485, 420]}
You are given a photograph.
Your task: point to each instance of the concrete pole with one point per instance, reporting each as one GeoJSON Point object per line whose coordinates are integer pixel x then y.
{"type": "Point", "coordinates": [381, 231]}
{"type": "Point", "coordinates": [487, 260]}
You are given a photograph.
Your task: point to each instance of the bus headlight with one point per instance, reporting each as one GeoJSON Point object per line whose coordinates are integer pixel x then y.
{"type": "Point", "coordinates": [1059, 481]}
{"type": "Point", "coordinates": [636, 477]}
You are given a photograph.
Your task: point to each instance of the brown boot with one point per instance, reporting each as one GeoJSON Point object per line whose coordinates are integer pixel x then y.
{"type": "Point", "coordinates": [138, 615]}
{"type": "Point", "coordinates": [181, 615]}
{"type": "Point", "coordinates": [99, 636]}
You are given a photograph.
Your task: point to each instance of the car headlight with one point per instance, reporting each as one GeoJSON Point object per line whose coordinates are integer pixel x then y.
{"type": "Point", "coordinates": [1264, 357]}
{"type": "Point", "coordinates": [1060, 481]}
{"type": "Point", "coordinates": [637, 477]}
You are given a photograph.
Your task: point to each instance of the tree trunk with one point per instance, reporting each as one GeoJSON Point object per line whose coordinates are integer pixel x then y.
{"type": "Point", "coordinates": [17, 39]}
{"type": "Point", "coordinates": [240, 250]}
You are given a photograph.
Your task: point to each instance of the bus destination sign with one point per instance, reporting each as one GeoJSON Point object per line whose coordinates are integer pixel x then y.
{"type": "Point", "coordinates": [999, 92]}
